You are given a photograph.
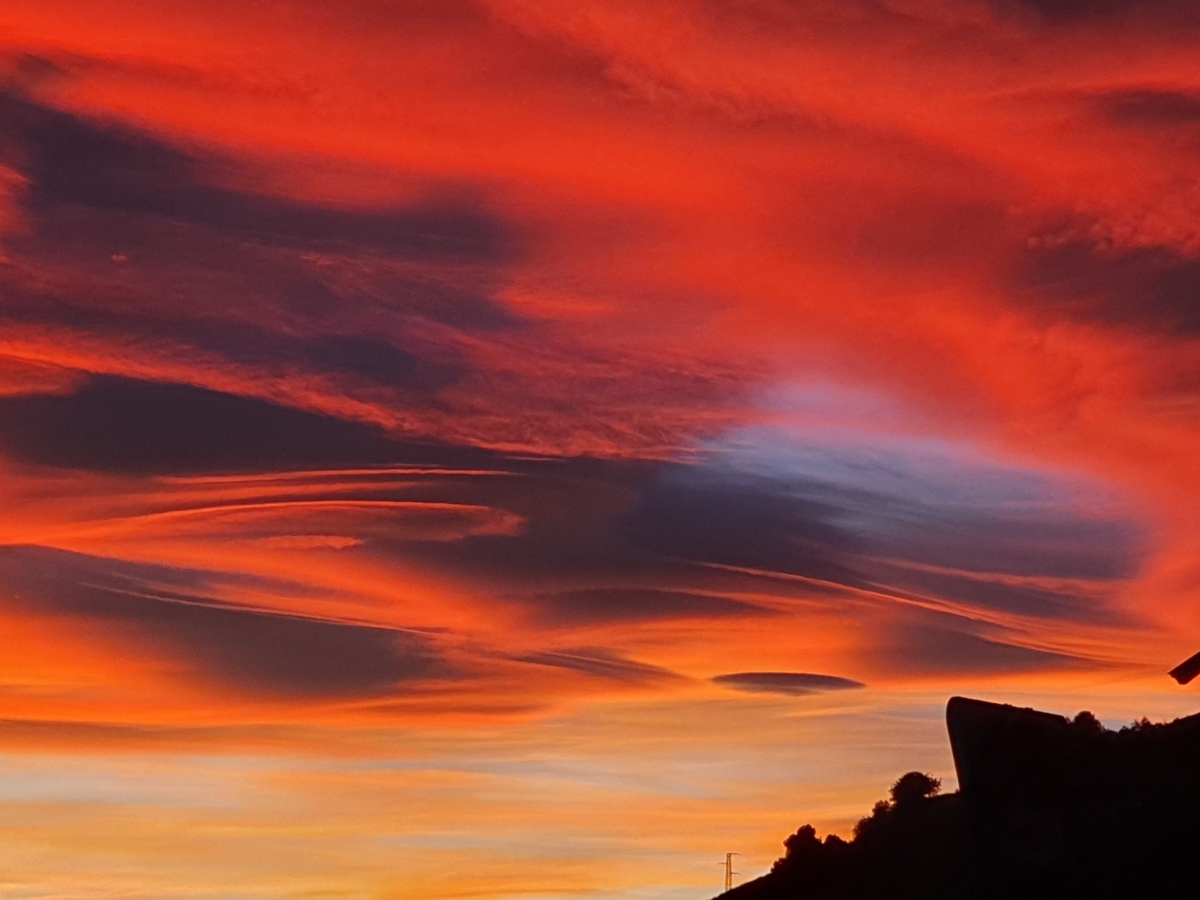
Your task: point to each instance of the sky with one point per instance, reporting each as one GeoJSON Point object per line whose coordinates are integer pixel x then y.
{"type": "Point", "coordinates": [515, 449]}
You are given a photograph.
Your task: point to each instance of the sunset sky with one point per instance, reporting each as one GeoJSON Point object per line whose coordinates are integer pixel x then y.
{"type": "Point", "coordinates": [423, 423]}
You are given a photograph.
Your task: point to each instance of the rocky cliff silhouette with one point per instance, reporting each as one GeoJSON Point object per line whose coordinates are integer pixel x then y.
{"type": "Point", "coordinates": [1046, 808]}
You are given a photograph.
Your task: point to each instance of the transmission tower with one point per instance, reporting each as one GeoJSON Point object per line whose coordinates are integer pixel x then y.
{"type": "Point", "coordinates": [729, 873]}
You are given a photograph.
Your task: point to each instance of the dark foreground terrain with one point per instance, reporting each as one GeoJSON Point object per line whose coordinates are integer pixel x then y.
{"type": "Point", "coordinates": [1047, 808]}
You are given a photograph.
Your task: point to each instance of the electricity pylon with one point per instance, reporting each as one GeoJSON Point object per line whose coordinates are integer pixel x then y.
{"type": "Point", "coordinates": [729, 873]}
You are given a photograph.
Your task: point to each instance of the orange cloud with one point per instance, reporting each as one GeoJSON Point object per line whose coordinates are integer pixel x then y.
{"type": "Point", "coordinates": [419, 406]}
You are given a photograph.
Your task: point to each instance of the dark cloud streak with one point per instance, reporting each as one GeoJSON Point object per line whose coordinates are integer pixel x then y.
{"type": "Point", "coordinates": [124, 425]}
{"type": "Point", "coordinates": [252, 651]}
{"type": "Point", "coordinates": [71, 160]}
{"type": "Point", "coordinates": [1153, 288]}
{"type": "Point", "coordinates": [599, 663]}
{"type": "Point", "coordinates": [934, 645]}
{"type": "Point", "coordinates": [1076, 12]}
{"type": "Point", "coordinates": [637, 604]}
{"type": "Point", "coordinates": [1150, 107]}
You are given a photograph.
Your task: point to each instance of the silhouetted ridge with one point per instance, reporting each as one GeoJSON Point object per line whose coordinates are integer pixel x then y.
{"type": "Point", "coordinates": [1047, 807]}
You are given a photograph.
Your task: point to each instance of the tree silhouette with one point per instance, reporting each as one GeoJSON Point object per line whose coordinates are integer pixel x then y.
{"type": "Point", "coordinates": [804, 840]}
{"type": "Point", "coordinates": [866, 826]}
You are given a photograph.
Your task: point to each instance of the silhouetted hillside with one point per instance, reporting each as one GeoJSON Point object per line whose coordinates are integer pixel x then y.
{"type": "Point", "coordinates": [1047, 807]}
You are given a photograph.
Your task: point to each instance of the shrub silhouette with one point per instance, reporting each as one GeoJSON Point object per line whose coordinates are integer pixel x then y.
{"type": "Point", "coordinates": [913, 787]}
